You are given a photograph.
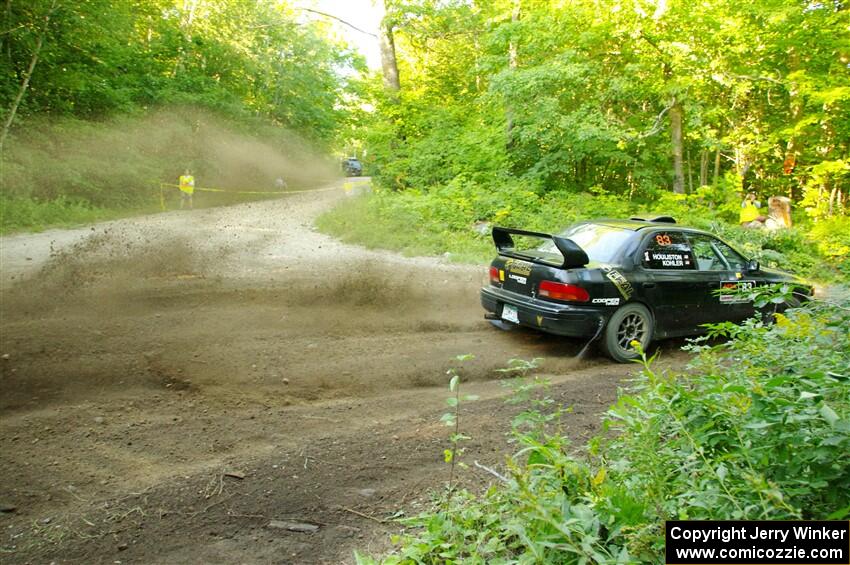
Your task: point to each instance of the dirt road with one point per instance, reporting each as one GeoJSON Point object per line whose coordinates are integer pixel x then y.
{"type": "Point", "coordinates": [174, 383]}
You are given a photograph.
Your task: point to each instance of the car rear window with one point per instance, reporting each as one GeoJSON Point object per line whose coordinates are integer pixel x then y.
{"type": "Point", "coordinates": [601, 243]}
{"type": "Point", "coordinates": [668, 250]}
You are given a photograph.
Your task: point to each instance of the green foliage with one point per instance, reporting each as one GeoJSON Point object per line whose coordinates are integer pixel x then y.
{"type": "Point", "coordinates": [832, 237]}
{"type": "Point", "coordinates": [242, 58]}
{"type": "Point", "coordinates": [452, 419]}
{"type": "Point", "coordinates": [532, 115]}
{"type": "Point", "coordinates": [579, 95]}
{"type": "Point", "coordinates": [758, 428]}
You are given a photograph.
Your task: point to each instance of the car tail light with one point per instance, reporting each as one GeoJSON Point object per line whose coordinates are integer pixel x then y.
{"type": "Point", "coordinates": [560, 291]}
{"type": "Point", "coordinates": [494, 275]}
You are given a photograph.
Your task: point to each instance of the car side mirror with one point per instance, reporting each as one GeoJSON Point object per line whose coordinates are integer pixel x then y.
{"type": "Point", "coordinates": [753, 266]}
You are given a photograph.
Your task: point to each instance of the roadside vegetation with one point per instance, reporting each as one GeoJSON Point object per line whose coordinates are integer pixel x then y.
{"type": "Point", "coordinates": [757, 427]}
{"type": "Point", "coordinates": [535, 114]}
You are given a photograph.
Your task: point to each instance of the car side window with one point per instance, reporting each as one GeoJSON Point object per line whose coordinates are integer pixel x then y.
{"type": "Point", "coordinates": [668, 250]}
{"type": "Point", "coordinates": [706, 255]}
{"type": "Point", "coordinates": [735, 260]}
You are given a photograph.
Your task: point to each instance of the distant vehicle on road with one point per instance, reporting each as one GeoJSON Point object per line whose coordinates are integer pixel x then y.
{"type": "Point", "coordinates": [352, 167]}
{"type": "Point", "coordinates": [623, 281]}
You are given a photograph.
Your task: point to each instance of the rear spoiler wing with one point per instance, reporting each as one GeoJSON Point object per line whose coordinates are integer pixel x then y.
{"type": "Point", "coordinates": [574, 256]}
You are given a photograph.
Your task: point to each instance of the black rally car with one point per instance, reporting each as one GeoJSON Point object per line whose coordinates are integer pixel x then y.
{"type": "Point", "coordinates": [622, 280]}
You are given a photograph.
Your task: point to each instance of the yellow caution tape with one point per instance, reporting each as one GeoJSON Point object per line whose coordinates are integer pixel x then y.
{"type": "Point", "coordinates": [164, 185]}
{"type": "Point", "coordinates": [205, 189]}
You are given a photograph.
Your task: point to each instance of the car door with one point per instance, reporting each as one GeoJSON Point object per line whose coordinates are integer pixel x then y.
{"type": "Point", "coordinates": [723, 268]}
{"type": "Point", "coordinates": [738, 279]}
{"type": "Point", "coordinates": [666, 261]}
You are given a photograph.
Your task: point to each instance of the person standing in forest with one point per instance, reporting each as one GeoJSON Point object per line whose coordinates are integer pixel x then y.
{"type": "Point", "coordinates": [778, 213]}
{"type": "Point", "coordinates": [187, 188]}
{"type": "Point", "coordinates": [750, 216]}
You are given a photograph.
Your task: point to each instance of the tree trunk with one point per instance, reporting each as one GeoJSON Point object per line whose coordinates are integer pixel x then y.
{"type": "Point", "coordinates": [742, 167]}
{"type": "Point", "coordinates": [716, 178]}
{"type": "Point", "coordinates": [187, 18]}
{"type": "Point", "coordinates": [10, 117]}
{"type": "Point", "coordinates": [796, 110]}
{"type": "Point", "coordinates": [7, 42]}
{"type": "Point", "coordinates": [513, 62]}
{"type": "Point", "coordinates": [676, 138]}
{"type": "Point", "coordinates": [389, 64]}
{"type": "Point", "coordinates": [690, 173]}
{"type": "Point", "coordinates": [832, 194]}
{"type": "Point", "coordinates": [703, 168]}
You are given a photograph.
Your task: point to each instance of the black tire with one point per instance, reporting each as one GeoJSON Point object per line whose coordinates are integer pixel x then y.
{"type": "Point", "coordinates": [631, 322]}
{"type": "Point", "coordinates": [769, 312]}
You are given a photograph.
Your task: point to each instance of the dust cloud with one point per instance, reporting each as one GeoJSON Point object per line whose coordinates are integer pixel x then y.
{"type": "Point", "coordinates": [120, 162]}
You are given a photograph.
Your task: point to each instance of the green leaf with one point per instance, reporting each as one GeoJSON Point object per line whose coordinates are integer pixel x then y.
{"type": "Point", "coordinates": [453, 383]}
{"type": "Point", "coordinates": [537, 458]}
{"type": "Point", "coordinates": [451, 401]}
{"type": "Point", "coordinates": [471, 397]}
{"type": "Point", "coordinates": [829, 414]}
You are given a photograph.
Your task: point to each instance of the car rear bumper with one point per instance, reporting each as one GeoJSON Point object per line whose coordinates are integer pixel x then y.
{"type": "Point", "coordinates": [560, 319]}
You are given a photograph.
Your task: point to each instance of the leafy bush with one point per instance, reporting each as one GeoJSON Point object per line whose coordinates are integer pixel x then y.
{"type": "Point", "coordinates": [833, 241]}
{"type": "Point", "coordinates": [758, 428]}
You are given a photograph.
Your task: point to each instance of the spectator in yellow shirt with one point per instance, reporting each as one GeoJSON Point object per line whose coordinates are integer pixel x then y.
{"type": "Point", "coordinates": [187, 188]}
{"type": "Point", "coordinates": [750, 216]}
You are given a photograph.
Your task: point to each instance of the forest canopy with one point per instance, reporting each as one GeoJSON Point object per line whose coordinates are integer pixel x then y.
{"type": "Point", "coordinates": [92, 58]}
{"type": "Point", "coordinates": [622, 97]}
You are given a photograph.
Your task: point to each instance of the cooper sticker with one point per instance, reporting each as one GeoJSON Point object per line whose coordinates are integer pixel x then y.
{"type": "Point", "coordinates": [731, 291]}
{"type": "Point", "coordinates": [624, 287]}
{"type": "Point", "coordinates": [517, 278]}
{"type": "Point", "coordinates": [607, 301]}
{"type": "Point", "coordinates": [522, 268]}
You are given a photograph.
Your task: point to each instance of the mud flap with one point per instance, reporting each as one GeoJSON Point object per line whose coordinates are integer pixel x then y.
{"type": "Point", "coordinates": [599, 327]}
{"type": "Point", "coordinates": [506, 326]}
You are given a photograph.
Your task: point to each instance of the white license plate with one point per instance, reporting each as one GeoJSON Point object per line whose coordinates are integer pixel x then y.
{"type": "Point", "coordinates": [509, 313]}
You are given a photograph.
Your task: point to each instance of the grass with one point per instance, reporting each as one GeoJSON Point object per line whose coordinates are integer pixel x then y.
{"type": "Point", "coordinates": [362, 221]}
{"type": "Point", "coordinates": [26, 215]}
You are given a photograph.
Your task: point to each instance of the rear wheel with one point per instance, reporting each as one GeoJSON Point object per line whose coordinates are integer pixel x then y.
{"type": "Point", "coordinates": [768, 313]}
{"type": "Point", "coordinates": [632, 322]}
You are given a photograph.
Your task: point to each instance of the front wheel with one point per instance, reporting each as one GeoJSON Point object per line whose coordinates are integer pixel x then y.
{"type": "Point", "coordinates": [632, 322]}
